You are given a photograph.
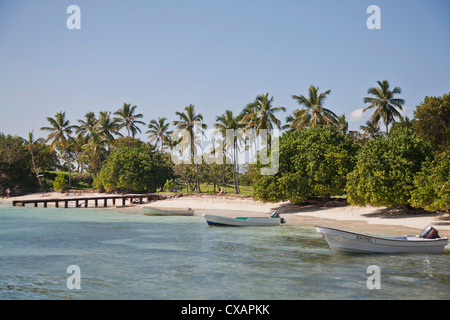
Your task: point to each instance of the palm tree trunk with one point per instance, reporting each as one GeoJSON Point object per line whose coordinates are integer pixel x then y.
{"type": "Point", "coordinates": [198, 183]}
{"type": "Point", "coordinates": [196, 164]}
{"type": "Point", "coordinates": [36, 171]}
{"type": "Point", "coordinates": [68, 168]}
{"type": "Point", "coordinates": [235, 173]}
{"type": "Point", "coordinates": [234, 177]}
{"type": "Point", "coordinates": [237, 179]}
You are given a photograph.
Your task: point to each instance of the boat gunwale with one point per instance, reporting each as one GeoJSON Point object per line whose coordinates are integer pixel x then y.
{"type": "Point", "coordinates": [236, 218]}
{"type": "Point", "coordinates": [422, 240]}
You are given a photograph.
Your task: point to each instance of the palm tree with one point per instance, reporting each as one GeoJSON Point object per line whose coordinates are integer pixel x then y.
{"type": "Point", "coordinates": [88, 126]}
{"type": "Point", "coordinates": [30, 144]}
{"type": "Point", "coordinates": [248, 115]}
{"type": "Point", "coordinates": [159, 132]}
{"type": "Point", "coordinates": [188, 120]}
{"type": "Point", "coordinates": [288, 126]}
{"type": "Point", "coordinates": [370, 130]}
{"type": "Point", "coordinates": [342, 124]}
{"type": "Point", "coordinates": [260, 114]}
{"type": "Point", "coordinates": [108, 127]}
{"type": "Point", "coordinates": [93, 150]}
{"type": "Point", "coordinates": [229, 121]}
{"type": "Point", "coordinates": [314, 114]}
{"type": "Point", "coordinates": [384, 103]}
{"type": "Point", "coordinates": [60, 135]}
{"type": "Point", "coordinates": [127, 118]}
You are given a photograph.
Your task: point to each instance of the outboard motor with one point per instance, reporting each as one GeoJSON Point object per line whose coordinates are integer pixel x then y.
{"type": "Point", "coordinates": [277, 215]}
{"type": "Point", "coordinates": [429, 233]}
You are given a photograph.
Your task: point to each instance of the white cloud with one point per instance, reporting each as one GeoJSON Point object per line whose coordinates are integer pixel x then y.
{"type": "Point", "coordinates": [357, 115]}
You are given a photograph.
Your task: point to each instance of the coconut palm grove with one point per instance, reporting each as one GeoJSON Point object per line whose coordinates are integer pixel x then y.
{"type": "Point", "coordinates": [391, 161]}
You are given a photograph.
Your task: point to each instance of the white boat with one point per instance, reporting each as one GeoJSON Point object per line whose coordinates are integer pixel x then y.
{"type": "Point", "coordinates": [346, 241]}
{"type": "Point", "coordinates": [273, 220]}
{"type": "Point", "coordinates": [152, 211]}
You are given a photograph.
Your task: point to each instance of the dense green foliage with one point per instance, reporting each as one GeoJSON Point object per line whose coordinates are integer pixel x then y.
{"type": "Point", "coordinates": [432, 121]}
{"type": "Point", "coordinates": [15, 164]}
{"type": "Point", "coordinates": [432, 184]}
{"type": "Point", "coordinates": [134, 169]}
{"type": "Point", "coordinates": [60, 183]}
{"type": "Point", "coordinates": [314, 163]}
{"type": "Point", "coordinates": [385, 168]}
{"type": "Point", "coordinates": [169, 186]}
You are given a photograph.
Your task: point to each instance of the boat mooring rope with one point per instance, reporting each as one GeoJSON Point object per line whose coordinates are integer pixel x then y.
{"type": "Point", "coordinates": [285, 254]}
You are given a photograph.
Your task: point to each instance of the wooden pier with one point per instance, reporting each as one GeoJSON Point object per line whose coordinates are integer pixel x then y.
{"type": "Point", "coordinates": [80, 201]}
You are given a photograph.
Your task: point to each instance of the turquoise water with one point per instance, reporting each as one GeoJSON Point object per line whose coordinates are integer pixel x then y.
{"type": "Point", "coordinates": [132, 256]}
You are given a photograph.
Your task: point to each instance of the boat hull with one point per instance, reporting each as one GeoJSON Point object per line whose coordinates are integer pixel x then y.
{"type": "Point", "coordinates": [241, 222]}
{"type": "Point", "coordinates": [151, 211]}
{"type": "Point", "coordinates": [345, 241]}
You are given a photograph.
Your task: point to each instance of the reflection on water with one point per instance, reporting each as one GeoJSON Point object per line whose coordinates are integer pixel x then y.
{"type": "Point", "coordinates": [133, 256]}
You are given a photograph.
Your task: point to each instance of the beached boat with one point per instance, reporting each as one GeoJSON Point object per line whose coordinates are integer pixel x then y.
{"type": "Point", "coordinates": [151, 211]}
{"type": "Point", "coordinates": [273, 220]}
{"type": "Point", "coordinates": [345, 241]}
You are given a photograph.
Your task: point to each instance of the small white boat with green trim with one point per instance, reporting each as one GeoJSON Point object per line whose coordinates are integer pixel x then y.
{"type": "Point", "coordinates": [428, 242]}
{"type": "Point", "coordinates": [152, 211]}
{"type": "Point", "coordinates": [273, 220]}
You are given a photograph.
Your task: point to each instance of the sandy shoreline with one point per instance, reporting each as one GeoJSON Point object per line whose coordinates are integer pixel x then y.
{"type": "Point", "coordinates": [363, 219]}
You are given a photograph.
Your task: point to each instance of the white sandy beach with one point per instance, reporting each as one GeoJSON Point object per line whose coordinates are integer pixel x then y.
{"type": "Point", "coordinates": [363, 219]}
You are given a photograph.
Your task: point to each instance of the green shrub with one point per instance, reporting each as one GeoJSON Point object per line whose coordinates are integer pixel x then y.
{"type": "Point", "coordinates": [60, 183]}
{"type": "Point", "coordinates": [432, 185]}
{"type": "Point", "coordinates": [134, 169]}
{"type": "Point", "coordinates": [169, 185]}
{"type": "Point", "coordinates": [385, 168]}
{"type": "Point", "coordinates": [314, 163]}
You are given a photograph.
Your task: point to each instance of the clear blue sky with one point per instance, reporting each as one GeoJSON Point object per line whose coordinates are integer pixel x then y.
{"type": "Point", "coordinates": [217, 55]}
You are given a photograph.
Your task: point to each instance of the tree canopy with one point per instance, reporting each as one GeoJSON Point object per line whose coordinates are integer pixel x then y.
{"type": "Point", "coordinates": [134, 169]}
{"type": "Point", "coordinates": [314, 163]}
{"type": "Point", "coordinates": [15, 164]}
{"type": "Point", "coordinates": [385, 168]}
{"type": "Point", "coordinates": [432, 121]}
{"type": "Point", "coordinates": [432, 184]}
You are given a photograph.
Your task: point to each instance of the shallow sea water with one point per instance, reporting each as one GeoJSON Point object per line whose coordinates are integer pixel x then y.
{"type": "Point", "coordinates": [127, 255]}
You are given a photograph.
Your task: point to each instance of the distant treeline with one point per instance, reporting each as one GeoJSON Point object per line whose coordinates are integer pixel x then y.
{"type": "Point", "coordinates": [404, 164]}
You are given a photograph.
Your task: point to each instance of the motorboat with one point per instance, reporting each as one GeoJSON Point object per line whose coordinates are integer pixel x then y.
{"type": "Point", "coordinates": [272, 220]}
{"type": "Point", "coordinates": [428, 242]}
{"type": "Point", "coordinates": [152, 211]}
